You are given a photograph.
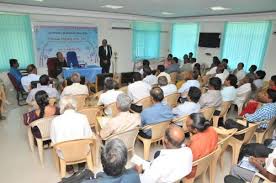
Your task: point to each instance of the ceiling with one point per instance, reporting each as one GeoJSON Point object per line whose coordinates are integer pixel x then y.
{"type": "Point", "coordinates": [154, 8]}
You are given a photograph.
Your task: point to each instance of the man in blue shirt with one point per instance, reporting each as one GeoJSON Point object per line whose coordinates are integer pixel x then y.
{"type": "Point", "coordinates": [157, 113]}
{"type": "Point", "coordinates": [14, 71]}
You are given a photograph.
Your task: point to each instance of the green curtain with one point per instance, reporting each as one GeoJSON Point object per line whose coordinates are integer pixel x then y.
{"type": "Point", "coordinates": [246, 42]}
{"type": "Point", "coordinates": [145, 40]}
{"type": "Point", "coordinates": [184, 39]}
{"type": "Point", "coordinates": [15, 40]}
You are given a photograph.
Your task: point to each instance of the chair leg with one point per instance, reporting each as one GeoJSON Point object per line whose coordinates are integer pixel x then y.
{"type": "Point", "coordinates": [147, 144]}
{"type": "Point", "coordinates": [259, 137]}
{"type": "Point", "coordinates": [31, 139]}
{"type": "Point", "coordinates": [62, 168]}
{"type": "Point", "coordinates": [204, 177]}
{"type": "Point", "coordinates": [56, 159]}
{"type": "Point", "coordinates": [221, 159]}
{"type": "Point", "coordinates": [89, 161]}
{"type": "Point", "coordinates": [40, 149]}
{"type": "Point", "coordinates": [213, 168]}
{"type": "Point", "coordinates": [236, 151]}
{"type": "Point", "coordinates": [215, 121]}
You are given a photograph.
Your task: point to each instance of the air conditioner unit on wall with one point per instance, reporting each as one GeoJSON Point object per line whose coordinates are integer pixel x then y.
{"type": "Point", "coordinates": [121, 26]}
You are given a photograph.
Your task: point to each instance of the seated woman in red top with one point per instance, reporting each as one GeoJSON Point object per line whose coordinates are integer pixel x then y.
{"type": "Point", "coordinates": [44, 110]}
{"type": "Point", "coordinates": [204, 138]}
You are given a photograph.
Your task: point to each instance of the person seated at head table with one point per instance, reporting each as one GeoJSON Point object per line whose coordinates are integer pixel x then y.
{"type": "Point", "coordinates": [109, 96]}
{"type": "Point", "coordinates": [191, 80]}
{"type": "Point", "coordinates": [149, 77]}
{"type": "Point", "coordinates": [204, 138]}
{"type": "Point", "coordinates": [45, 85]}
{"type": "Point", "coordinates": [157, 113]}
{"type": "Point", "coordinates": [161, 72]}
{"type": "Point", "coordinates": [76, 88]}
{"type": "Point", "coordinates": [44, 110]}
{"type": "Point", "coordinates": [14, 71]}
{"type": "Point", "coordinates": [190, 106]}
{"type": "Point", "coordinates": [171, 163]}
{"type": "Point", "coordinates": [123, 121]}
{"type": "Point", "coordinates": [32, 76]}
{"type": "Point", "coordinates": [61, 62]}
{"type": "Point", "coordinates": [167, 88]}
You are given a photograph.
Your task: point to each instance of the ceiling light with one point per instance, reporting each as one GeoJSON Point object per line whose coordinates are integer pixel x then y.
{"type": "Point", "coordinates": [112, 6]}
{"type": "Point", "coordinates": [39, 0]}
{"type": "Point", "coordinates": [219, 8]}
{"type": "Point", "coordinates": [167, 13]}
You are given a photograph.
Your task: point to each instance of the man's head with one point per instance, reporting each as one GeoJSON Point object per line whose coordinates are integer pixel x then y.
{"type": "Point", "coordinates": [220, 69]}
{"type": "Point", "coordinates": [174, 137]}
{"type": "Point", "coordinates": [14, 63]}
{"type": "Point", "coordinates": [195, 74]}
{"type": "Point", "coordinates": [146, 63]}
{"type": "Point", "coordinates": [157, 94]}
{"type": "Point", "coordinates": [240, 66]}
{"type": "Point", "coordinates": [272, 81]}
{"type": "Point", "coordinates": [66, 103]}
{"type": "Point", "coordinates": [194, 94]}
{"type": "Point", "coordinates": [231, 80]}
{"type": "Point", "coordinates": [191, 55]}
{"type": "Point", "coordinates": [75, 78]}
{"type": "Point", "coordinates": [193, 60]}
{"type": "Point", "coordinates": [216, 61]}
{"type": "Point", "coordinates": [108, 83]}
{"type": "Point", "coordinates": [271, 95]}
{"type": "Point", "coordinates": [44, 80]}
{"type": "Point", "coordinates": [137, 76]}
{"type": "Point", "coordinates": [123, 102]}
{"type": "Point", "coordinates": [225, 62]}
{"type": "Point", "coordinates": [252, 68]}
{"type": "Point", "coordinates": [249, 78]}
{"type": "Point", "coordinates": [170, 56]}
{"type": "Point", "coordinates": [31, 69]}
{"type": "Point", "coordinates": [161, 68]}
{"type": "Point", "coordinates": [104, 42]}
{"type": "Point", "coordinates": [60, 56]}
{"type": "Point", "coordinates": [114, 157]}
{"type": "Point", "coordinates": [260, 74]}
{"type": "Point", "coordinates": [214, 83]}
{"type": "Point", "coordinates": [147, 71]}
{"type": "Point", "coordinates": [162, 81]}
{"type": "Point", "coordinates": [186, 59]}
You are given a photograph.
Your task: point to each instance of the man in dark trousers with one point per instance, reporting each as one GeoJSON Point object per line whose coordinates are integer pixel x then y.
{"type": "Point", "coordinates": [105, 54]}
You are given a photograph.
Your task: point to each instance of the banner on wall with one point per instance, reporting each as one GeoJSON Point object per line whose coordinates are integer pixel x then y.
{"type": "Point", "coordinates": [53, 39]}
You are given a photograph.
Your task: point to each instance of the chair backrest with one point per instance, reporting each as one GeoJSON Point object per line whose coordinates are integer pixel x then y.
{"type": "Point", "coordinates": [270, 129]}
{"type": "Point", "coordinates": [100, 80]}
{"type": "Point", "coordinates": [127, 137]}
{"type": "Point", "coordinates": [92, 113]}
{"type": "Point", "coordinates": [224, 108]}
{"type": "Point", "coordinates": [71, 57]}
{"type": "Point", "coordinates": [182, 120]}
{"type": "Point", "coordinates": [14, 82]}
{"type": "Point", "coordinates": [44, 125]}
{"type": "Point", "coordinates": [260, 178]}
{"type": "Point", "coordinates": [173, 77]}
{"type": "Point", "coordinates": [226, 137]}
{"type": "Point", "coordinates": [158, 130]}
{"type": "Point", "coordinates": [208, 112]}
{"type": "Point", "coordinates": [124, 89]}
{"type": "Point", "coordinates": [74, 150]}
{"type": "Point", "coordinates": [81, 100]}
{"type": "Point", "coordinates": [248, 132]}
{"type": "Point", "coordinates": [113, 108]}
{"type": "Point", "coordinates": [51, 65]}
{"type": "Point", "coordinates": [145, 102]}
{"type": "Point", "coordinates": [172, 99]}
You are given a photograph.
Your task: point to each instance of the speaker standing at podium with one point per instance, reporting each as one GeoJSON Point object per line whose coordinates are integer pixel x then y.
{"type": "Point", "coordinates": [105, 54]}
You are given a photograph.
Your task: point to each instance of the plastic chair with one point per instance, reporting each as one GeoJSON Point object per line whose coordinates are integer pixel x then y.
{"type": "Point", "coordinates": [260, 178]}
{"type": "Point", "coordinates": [81, 100]}
{"type": "Point", "coordinates": [128, 137]}
{"type": "Point", "coordinates": [172, 99]}
{"type": "Point", "coordinates": [113, 108]}
{"type": "Point", "coordinates": [181, 121]}
{"type": "Point", "coordinates": [241, 100]}
{"type": "Point", "coordinates": [208, 112]}
{"type": "Point", "coordinates": [267, 132]}
{"type": "Point", "coordinates": [202, 165]}
{"type": "Point", "coordinates": [92, 113]}
{"type": "Point", "coordinates": [157, 133]}
{"type": "Point", "coordinates": [173, 77]}
{"type": "Point", "coordinates": [72, 58]}
{"type": "Point", "coordinates": [236, 143]}
{"type": "Point", "coordinates": [44, 125]}
{"type": "Point", "coordinates": [145, 102]}
{"type": "Point", "coordinates": [124, 89]}
{"type": "Point", "coordinates": [21, 95]}
{"type": "Point", "coordinates": [223, 113]}
{"type": "Point", "coordinates": [73, 152]}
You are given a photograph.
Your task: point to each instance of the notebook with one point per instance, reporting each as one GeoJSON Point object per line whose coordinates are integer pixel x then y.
{"type": "Point", "coordinates": [244, 163]}
{"type": "Point", "coordinates": [137, 160]}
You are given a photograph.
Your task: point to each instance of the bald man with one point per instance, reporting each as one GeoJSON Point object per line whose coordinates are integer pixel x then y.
{"type": "Point", "coordinates": [174, 161]}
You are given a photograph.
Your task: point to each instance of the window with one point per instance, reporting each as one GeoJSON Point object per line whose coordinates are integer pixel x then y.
{"type": "Point", "coordinates": [146, 40]}
{"type": "Point", "coordinates": [184, 39]}
{"type": "Point", "coordinates": [246, 42]}
{"type": "Point", "coordinates": [15, 40]}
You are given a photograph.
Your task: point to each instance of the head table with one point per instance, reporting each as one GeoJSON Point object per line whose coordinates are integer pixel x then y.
{"type": "Point", "coordinates": [90, 72]}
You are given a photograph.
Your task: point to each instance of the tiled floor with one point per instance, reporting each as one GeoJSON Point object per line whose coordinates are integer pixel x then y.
{"type": "Point", "coordinates": [19, 164]}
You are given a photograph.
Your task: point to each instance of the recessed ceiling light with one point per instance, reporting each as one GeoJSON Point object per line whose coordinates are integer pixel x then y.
{"type": "Point", "coordinates": [219, 8]}
{"type": "Point", "coordinates": [39, 0]}
{"type": "Point", "coordinates": [112, 6]}
{"type": "Point", "coordinates": [167, 13]}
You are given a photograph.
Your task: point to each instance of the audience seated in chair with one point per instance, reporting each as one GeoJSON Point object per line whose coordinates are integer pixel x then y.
{"type": "Point", "coordinates": [214, 65]}
{"type": "Point", "coordinates": [124, 121]}
{"type": "Point", "coordinates": [191, 80]}
{"type": "Point", "coordinates": [174, 67]}
{"type": "Point", "coordinates": [259, 79]}
{"type": "Point", "coordinates": [161, 72]}
{"type": "Point", "coordinates": [114, 159]}
{"type": "Point", "coordinates": [167, 88]}
{"type": "Point", "coordinates": [109, 96]}
{"type": "Point", "coordinates": [190, 106]}
{"type": "Point", "coordinates": [252, 69]}
{"type": "Point", "coordinates": [76, 88]}
{"type": "Point", "coordinates": [167, 61]}
{"type": "Point", "coordinates": [221, 72]}
{"type": "Point", "coordinates": [171, 163]}
{"type": "Point", "coordinates": [239, 72]}
{"type": "Point", "coordinates": [45, 85]}
{"type": "Point", "coordinates": [149, 77]}
{"type": "Point", "coordinates": [204, 138]}
{"type": "Point", "coordinates": [44, 110]}
{"type": "Point", "coordinates": [32, 76]}
{"type": "Point", "coordinates": [138, 89]}
{"type": "Point", "coordinates": [157, 113]}
{"type": "Point", "coordinates": [187, 65]}
{"type": "Point", "coordinates": [14, 71]}
{"type": "Point", "coordinates": [229, 91]}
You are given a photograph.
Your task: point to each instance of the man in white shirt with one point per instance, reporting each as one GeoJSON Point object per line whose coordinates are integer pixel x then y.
{"type": "Point", "coordinates": [149, 77]}
{"type": "Point", "coordinates": [221, 73]}
{"type": "Point", "coordinates": [45, 86]}
{"type": "Point", "coordinates": [32, 76]}
{"type": "Point", "coordinates": [168, 89]}
{"type": "Point", "coordinates": [76, 88]}
{"type": "Point", "coordinates": [110, 96]}
{"type": "Point", "coordinates": [229, 91]}
{"type": "Point", "coordinates": [139, 89]}
{"type": "Point", "coordinates": [239, 72]}
{"type": "Point", "coordinates": [190, 106]}
{"type": "Point", "coordinates": [161, 72]}
{"type": "Point", "coordinates": [173, 162]}
{"type": "Point", "coordinates": [192, 77]}
{"type": "Point", "coordinates": [259, 81]}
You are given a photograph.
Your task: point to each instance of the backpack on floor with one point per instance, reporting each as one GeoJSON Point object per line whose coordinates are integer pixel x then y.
{"type": "Point", "coordinates": [79, 176]}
